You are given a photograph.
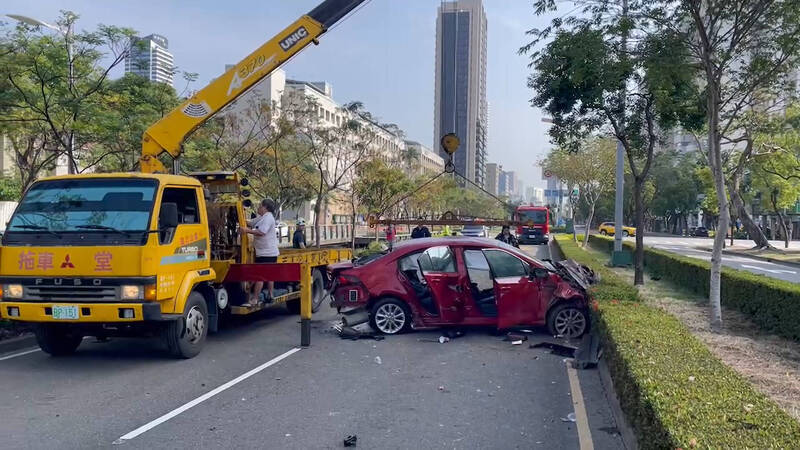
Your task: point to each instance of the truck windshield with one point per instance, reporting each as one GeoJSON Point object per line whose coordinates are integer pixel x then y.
{"type": "Point", "coordinates": [86, 205]}
{"type": "Point", "coordinates": [533, 215]}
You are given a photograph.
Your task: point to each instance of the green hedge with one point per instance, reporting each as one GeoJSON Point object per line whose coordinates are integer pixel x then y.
{"type": "Point", "coordinates": [774, 305]}
{"type": "Point", "coordinates": [674, 391]}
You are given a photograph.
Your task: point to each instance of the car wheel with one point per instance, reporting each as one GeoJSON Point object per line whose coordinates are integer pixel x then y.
{"type": "Point", "coordinates": [185, 337]}
{"type": "Point", "coordinates": [625, 233]}
{"type": "Point", "coordinates": [57, 340]}
{"type": "Point", "coordinates": [604, 232]}
{"type": "Point", "coordinates": [390, 316]}
{"type": "Point", "coordinates": [568, 320]}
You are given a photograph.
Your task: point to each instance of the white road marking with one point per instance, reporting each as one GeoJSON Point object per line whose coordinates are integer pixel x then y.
{"type": "Point", "coordinates": [770, 270]}
{"type": "Point", "coordinates": [581, 420]}
{"type": "Point", "coordinates": [152, 424]}
{"type": "Point", "coordinates": [22, 353]}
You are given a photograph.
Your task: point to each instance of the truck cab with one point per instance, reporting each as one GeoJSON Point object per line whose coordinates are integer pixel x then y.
{"type": "Point", "coordinates": [110, 254]}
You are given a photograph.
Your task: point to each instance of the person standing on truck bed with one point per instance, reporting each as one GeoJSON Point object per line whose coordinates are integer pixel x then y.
{"type": "Point", "coordinates": [299, 236]}
{"type": "Point", "coordinates": [265, 242]}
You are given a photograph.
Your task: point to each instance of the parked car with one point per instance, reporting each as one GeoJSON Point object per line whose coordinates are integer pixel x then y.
{"type": "Point", "coordinates": [475, 231]}
{"type": "Point", "coordinates": [461, 281]}
{"type": "Point", "coordinates": [608, 229]}
{"type": "Point", "coordinates": [699, 232]}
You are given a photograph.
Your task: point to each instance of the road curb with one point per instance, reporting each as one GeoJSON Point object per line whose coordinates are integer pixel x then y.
{"type": "Point", "coordinates": [626, 432]}
{"type": "Point", "coordinates": [17, 343]}
{"type": "Point", "coordinates": [760, 258]}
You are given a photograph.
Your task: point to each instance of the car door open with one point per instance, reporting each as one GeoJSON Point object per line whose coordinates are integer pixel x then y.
{"type": "Point", "coordinates": [438, 266]}
{"type": "Point", "coordinates": [517, 293]}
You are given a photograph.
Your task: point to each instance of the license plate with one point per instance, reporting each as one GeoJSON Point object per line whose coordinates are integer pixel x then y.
{"type": "Point", "coordinates": [65, 312]}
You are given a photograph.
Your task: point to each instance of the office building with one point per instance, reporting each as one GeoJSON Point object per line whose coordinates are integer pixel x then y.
{"type": "Point", "coordinates": [423, 161]}
{"type": "Point", "coordinates": [534, 195]}
{"type": "Point", "coordinates": [150, 58]}
{"type": "Point", "coordinates": [492, 180]}
{"type": "Point", "coordinates": [460, 89]}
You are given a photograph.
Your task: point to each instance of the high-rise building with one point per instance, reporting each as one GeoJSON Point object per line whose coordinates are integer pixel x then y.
{"type": "Point", "coordinates": [460, 92]}
{"type": "Point", "coordinates": [534, 195]}
{"type": "Point", "coordinates": [507, 183]}
{"type": "Point", "coordinates": [492, 181]}
{"type": "Point", "coordinates": [149, 58]}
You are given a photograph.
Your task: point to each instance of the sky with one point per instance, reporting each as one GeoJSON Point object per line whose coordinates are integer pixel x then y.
{"type": "Point", "coordinates": [383, 55]}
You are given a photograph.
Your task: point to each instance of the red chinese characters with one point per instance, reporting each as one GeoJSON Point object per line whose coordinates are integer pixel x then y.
{"type": "Point", "coordinates": [27, 260]}
{"type": "Point", "coordinates": [102, 261]}
{"type": "Point", "coordinates": [45, 261]}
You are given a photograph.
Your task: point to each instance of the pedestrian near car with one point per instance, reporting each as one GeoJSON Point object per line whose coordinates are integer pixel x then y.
{"type": "Point", "coordinates": [265, 242]}
{"type": "Point", "coordinates": [506, 236]}
{"type": "Point", "coordinates": [390, 236]}
{"type": "Point", "coordinates": [299, 236]}
{"type": "Point", "coordinates": [420, 231]}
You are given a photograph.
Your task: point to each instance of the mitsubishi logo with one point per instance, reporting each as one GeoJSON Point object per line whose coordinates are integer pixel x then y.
{"type": "Point", "coordinates": [67, 264]}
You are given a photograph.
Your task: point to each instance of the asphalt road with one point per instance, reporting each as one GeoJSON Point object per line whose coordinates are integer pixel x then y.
{"type": "Point", "coordinates": [404, 392]}
{"type": "Point", "coordinates": [692, 247]}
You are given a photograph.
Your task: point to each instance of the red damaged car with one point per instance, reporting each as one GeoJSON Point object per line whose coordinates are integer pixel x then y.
{"type": "Point", "coordinates": [437, 282]}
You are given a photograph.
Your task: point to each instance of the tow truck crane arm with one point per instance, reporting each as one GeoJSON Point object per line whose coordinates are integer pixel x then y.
{"type": "Point", "coordinates": [167, 135]}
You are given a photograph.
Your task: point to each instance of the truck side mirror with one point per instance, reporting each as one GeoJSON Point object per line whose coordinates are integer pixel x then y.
{"type": "Point", "coordinates": [168, 216]}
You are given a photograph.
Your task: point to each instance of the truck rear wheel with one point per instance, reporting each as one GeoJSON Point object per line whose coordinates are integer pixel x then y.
{"type": "Point", "coordinates": [57, 339]}
{"type": "Point", "coordinates": [185, 337]}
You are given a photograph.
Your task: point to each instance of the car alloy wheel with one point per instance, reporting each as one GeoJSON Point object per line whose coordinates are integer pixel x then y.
{"type": "Point", "coordinates": [390, 318]}
{"type": "Point", "coordinates": [570, 322]}
{"type": "Point", "coordinates": [195, 324]}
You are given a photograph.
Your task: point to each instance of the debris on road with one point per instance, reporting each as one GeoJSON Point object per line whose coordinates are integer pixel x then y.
{"type": "Point", "coordinates": [453, 334]}
{"type": "Point", "coordinates": [556, 349]}
{"type": "Point", "coordinates": [570, 417]}
{"type": "Point", "coordinates": [350, 441]}
{"type": "Point", "coordinates": [589, 352]}
{"type": "Point", "coordinates": [516, 342]}
{"type": "Point", "coordinates": [378, 360]}
{"type": "Point", "coordinates": [351, 334]}
{"type": "Point", "coordinates": [515, 337]}
{"type": "Point", "coordinates": [443, 339]}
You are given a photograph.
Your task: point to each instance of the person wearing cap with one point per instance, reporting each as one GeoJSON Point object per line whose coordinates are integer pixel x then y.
{"type": "Point", "coordinates": [420, 231]}
{"type": "Point", "coordinates": [506, 236]}
{"type": "Point", "coordinates": [299, 236]}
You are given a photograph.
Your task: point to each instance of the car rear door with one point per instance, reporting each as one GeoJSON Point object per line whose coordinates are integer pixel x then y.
{"type": "Point", "coordinates": [518, 296]}
{"type": "Point", "coordinates": [439, 267]}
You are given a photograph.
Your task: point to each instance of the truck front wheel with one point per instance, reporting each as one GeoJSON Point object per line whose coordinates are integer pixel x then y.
{"type": "Point", "coordinates": [57, 339]}
{"type": "Point", "coordinates": [185, 337]}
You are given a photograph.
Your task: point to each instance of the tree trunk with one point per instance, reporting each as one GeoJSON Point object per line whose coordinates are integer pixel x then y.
{"type": "Point", "coordinates": [750, 225]}
{"type": "Point", "coordinates": [638, 257]}
{"type": "Point", "coordinates": [353, 230]}
{"type": "Point", "coordinates": [715, 161]}
{"type": "Point", "coordinates": [588, 222]}
{"type": "Point", "coordinates": [317, 216]}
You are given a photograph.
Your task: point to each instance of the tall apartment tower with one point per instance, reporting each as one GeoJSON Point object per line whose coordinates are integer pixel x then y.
{"type": "Point", "coordinates": [460, 95]}
{"type": "Point", "coordinates": [149, 58]}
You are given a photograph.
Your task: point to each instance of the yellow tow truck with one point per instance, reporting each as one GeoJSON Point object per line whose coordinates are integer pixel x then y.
{"type": "Point", "coordinates": [152, 253]}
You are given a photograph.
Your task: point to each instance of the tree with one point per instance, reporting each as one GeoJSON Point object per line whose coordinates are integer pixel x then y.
{"type": "Point", "coordinates": [261, 144]}
{"type": "Point", "coordinates": [676, 189]}
{"type": "Point", "coordinates": [744, 51]}
{"type": "Point", "coordinates": [128, 106]}
{"type": "Point", "coordinates": [378, 186]}
{"type": "Point", "coordinates": [55, 81]}
{"type": "Point", "coordinates": [590, 81]}
{"type": "Point", "coordinates": [591, 169]}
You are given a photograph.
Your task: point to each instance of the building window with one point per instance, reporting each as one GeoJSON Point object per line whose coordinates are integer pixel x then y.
{"type": "Point", "coordinates": [327, 115]}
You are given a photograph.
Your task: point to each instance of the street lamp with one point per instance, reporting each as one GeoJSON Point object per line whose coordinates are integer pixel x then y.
{"type": "Point", "coordinates": [67, 33]}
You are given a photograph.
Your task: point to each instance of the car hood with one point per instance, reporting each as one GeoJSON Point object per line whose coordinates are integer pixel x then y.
{"type": "Point", "coordinates": [580, 274]}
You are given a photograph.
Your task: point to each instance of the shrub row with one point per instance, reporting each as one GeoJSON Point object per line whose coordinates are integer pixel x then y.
{"type": "Point", "coordinates": [674, 391]}
{"type": "Point", "coordinates": [772, 304]}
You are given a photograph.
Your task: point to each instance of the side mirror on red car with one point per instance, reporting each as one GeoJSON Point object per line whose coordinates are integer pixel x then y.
{"type": "Point", "coordinates": [540, 273]}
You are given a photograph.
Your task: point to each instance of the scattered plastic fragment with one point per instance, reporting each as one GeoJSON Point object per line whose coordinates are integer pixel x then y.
{"type": "Point", "coordinates": [516, 342]}
{"type": "Point", "coordinates": [570, 417]}
{"type": "Point", "coordinates": [378, 360]}
{"type": "Point", "coordinates": [350, 441]}
{"type": "Point", "coordinates": [691, 378]}
{"type": "Point", "coordinates": [556, 349]}
{"type": "Point", "coordinates": [443, 339]}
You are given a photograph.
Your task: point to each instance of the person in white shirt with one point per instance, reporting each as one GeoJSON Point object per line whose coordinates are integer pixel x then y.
{"type": "Point", "coordinates": [265, 242]}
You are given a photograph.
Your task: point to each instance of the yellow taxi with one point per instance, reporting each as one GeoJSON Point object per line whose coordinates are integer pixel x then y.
{"type": "Point", "coordinates": [607, 229]}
